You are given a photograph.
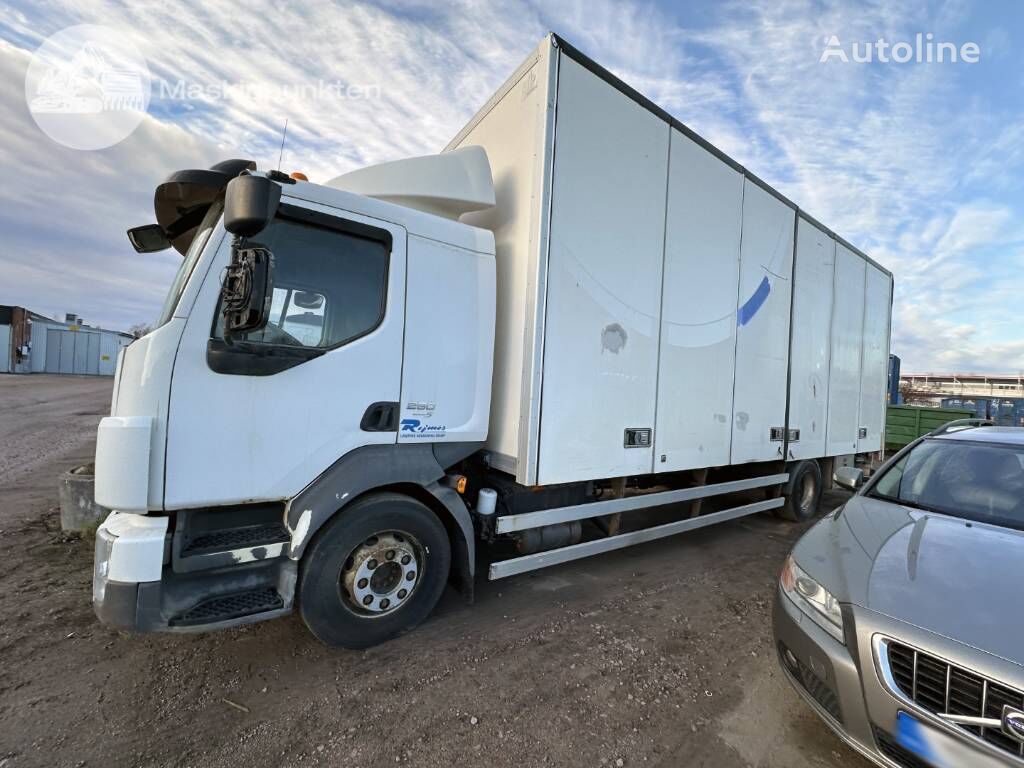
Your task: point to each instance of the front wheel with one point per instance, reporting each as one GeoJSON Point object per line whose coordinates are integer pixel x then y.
{"type": "Point", "coordinates": [803, 492]}
{"type": "Point", "coordinates": [374, 572]}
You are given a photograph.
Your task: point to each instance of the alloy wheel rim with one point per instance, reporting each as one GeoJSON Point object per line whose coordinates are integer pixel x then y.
{"type": "Point", "coordinates": [381, 573]}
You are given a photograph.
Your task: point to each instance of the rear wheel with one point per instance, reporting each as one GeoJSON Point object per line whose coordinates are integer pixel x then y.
{"type": "Point", "coordinates": [374, 572]}
{"type": "Point", "coordinates": [802, 492]}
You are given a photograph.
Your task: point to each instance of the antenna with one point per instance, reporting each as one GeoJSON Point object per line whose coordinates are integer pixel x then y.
{"type": "Point", "coordinates": [284, 135]}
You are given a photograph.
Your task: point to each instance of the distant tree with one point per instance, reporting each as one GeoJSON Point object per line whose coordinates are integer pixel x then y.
{"type": "Point", "coordinates": [139, 330]}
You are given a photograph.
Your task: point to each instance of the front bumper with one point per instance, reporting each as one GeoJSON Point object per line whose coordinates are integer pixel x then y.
{"type": "Point", "coordinates": [842, 684]}
{"type": "Point", "coordinates": [139, 586]}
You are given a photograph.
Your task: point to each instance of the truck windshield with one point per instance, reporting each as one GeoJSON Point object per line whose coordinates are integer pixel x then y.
{"type": "Point", "coordinates": [330, 287]}
{"type": "Point", "coordinates": [188, 263]}
{"type": "Point", "coordinates": [965, 478]}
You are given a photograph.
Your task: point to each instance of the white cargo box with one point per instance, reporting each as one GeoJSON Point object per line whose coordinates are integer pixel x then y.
{"type": "Point", "coordinates": [659, 307]}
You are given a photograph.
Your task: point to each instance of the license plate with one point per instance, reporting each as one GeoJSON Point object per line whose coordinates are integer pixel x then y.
{"type": "Point", "coordinates": [936, 747]}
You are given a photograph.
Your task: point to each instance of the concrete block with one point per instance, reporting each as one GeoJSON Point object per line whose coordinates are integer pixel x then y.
{"type": "Point", "coordinates": [78, 509]}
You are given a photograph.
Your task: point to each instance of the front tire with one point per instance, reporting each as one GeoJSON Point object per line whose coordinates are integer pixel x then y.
{"type": "Point", "coordinates": [374, 572]}
{"type": "Point", "coordinates": [802, 492]}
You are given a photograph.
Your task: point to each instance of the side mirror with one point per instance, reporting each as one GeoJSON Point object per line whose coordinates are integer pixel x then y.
{"type": "Point", "coordinates": [307, 300]}
{"type": "Point", "coordinates": [250, 203]}
{"type": "Point", "coordinates": [148, 238]}
{"type": "Point", "coordinates": [849, 478]}
{"type": "Point", "coordinates": [247, 290]}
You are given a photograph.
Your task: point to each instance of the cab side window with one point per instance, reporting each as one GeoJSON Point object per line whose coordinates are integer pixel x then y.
{"type": "Point", "coordinates": [329, 286]}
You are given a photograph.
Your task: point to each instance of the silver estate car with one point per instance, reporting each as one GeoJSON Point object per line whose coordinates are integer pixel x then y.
{"type": "Point", "coordinates": [900, 616]}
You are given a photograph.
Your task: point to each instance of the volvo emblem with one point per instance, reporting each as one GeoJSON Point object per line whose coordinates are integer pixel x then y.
{"type": "Point", "coordinates": [1013, 723]}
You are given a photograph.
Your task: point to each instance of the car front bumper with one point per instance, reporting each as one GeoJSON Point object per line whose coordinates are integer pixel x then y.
{"type": "Point", "coordinates": [843, 685]}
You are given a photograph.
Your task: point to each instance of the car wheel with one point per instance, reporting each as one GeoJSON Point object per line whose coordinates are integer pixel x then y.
{"type": "Point", "coordinates": [374, 572]}
{"type": "Point", "coordinates": [802, 492]}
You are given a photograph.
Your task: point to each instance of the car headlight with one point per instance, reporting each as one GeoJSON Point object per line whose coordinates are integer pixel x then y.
{"type": "Point", "coordinates": [812, 598]}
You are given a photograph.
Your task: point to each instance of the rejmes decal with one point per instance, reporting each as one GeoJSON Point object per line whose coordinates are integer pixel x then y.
{"type": "Point", "coordinates": [416, 428]}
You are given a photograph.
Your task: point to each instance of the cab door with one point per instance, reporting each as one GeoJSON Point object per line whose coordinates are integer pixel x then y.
{"type": "Point", "coordinates": [259, 418]}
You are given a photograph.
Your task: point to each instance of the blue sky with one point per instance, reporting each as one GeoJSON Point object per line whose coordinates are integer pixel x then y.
{"type": "Point", "coordinates": [921, 165]}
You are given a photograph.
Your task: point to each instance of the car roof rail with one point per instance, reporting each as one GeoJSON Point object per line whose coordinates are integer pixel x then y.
{"type": "Point", "coordinates": [960, 424]}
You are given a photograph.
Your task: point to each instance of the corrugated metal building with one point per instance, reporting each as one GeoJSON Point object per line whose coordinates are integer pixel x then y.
{"type": "Point", "coordinates": [33, 343]}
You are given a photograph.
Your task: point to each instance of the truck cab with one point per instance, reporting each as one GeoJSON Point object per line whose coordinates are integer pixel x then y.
{"type": "Point", "coordinates": [363, 364]}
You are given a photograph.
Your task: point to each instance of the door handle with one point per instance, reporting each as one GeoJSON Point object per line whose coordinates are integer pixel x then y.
{"type": "Point", "coordinates": [380, 417]}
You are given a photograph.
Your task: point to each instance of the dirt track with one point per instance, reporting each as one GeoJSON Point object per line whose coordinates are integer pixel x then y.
{"type": "Point", "coordinates": [657, 655]}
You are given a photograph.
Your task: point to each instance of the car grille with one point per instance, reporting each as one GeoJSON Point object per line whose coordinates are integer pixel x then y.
{"type": "Point", "coordinates": [820, 692]}
{"type": "Point", "coordinates": [814, 685]}
{"type": "Point", "coordinates": [943, 688]}
{"type": "Point", "coordinates": [889, 747]}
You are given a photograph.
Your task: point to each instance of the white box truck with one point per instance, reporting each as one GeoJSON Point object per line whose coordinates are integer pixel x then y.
{"type": "Point", "coordinates": [502, 354]}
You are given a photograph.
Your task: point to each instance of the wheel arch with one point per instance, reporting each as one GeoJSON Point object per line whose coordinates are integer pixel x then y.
{"type": "Point", "coordinates": [452, 512]}
{"type": "Point", "coordinates": [412, 470]}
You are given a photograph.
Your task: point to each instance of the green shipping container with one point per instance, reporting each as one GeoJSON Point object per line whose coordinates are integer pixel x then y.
{"type": "Point", "coordinates": [906, 423]}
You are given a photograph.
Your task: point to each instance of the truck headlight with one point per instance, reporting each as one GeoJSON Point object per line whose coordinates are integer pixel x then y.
{"type": "Point", "coordinates": [812, 598]}
{"type": "Point", "coordinates": [101, 565]}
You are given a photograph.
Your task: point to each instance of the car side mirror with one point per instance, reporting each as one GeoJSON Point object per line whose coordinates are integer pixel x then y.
{"type": "Point", "coordinates": [250, 203]}
{"type": "Point", "coordinates": [849, 478]}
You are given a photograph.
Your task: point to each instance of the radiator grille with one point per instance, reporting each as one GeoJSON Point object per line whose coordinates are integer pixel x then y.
{"type": "Point", "coordinates": [943, 688]}
{"type": "Point", "coordinates": [236, 538]}
{"type": "Point", "coordinates": [232, 606]}
{"type": "Point", "coordinates": [889, 747]}
{"type": "Point", "coordinates": [819, 690]}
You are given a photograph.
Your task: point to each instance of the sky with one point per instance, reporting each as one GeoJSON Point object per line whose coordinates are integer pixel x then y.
{"type": "Point", "coordinates": [921, 165]}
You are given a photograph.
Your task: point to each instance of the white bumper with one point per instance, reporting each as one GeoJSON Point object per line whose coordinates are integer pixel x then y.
{"type": "Point", "coordinates": [122, 463]}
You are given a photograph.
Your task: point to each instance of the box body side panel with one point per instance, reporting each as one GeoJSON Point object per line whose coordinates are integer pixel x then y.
{"type": "Point", "coordinates": [604, 281]}
{"type": "Point", "coordinates": [814, 272]}
{"type": "Point", "coordinates": [762, 318]}
{"type": "Point", "coordinates": [511, 128]}
{"type": "Point", "coordinates": [847, 335]}
{"type": "Point", "coordinates": [698, 311]}
{"type": "Point", "coordinates": [874, 371]}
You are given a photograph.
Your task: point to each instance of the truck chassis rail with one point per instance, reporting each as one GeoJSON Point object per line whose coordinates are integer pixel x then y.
{"type": "Point", "coordinates": [510, 523]}
{"type": "Point", "coordinates": [517, 565]}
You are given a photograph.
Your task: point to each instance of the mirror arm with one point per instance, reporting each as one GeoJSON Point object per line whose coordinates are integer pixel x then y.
{"type": "Point", "coordinates": [237, 244]}
{"type": "Point", "coordinates": [247, 288]}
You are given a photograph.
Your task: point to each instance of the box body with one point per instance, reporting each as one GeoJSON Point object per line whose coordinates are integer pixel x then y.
{"type": "Point", "coordinates": [659, 307]}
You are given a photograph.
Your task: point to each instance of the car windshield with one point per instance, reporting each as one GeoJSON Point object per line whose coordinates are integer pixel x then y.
{"type": "Point", "coordinates": [965, 478]}
{"type": "Point", "coordinates": [188, 263]}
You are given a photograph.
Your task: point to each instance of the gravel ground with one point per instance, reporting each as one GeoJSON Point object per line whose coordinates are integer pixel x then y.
{"type": "Point", "coordinates": [656, 655]}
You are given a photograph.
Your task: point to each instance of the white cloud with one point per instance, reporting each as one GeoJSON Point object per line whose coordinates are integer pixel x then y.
{"type": "Point", "coordinates": [972, 226]}
{"type": "Point", "coordinates": [885, 156]}
{"type": "Point", "coordinates": [433, 67]}
{"type": "Point", "coordinates": [63, 213]}
{"type": "Point", "coordinates": [903, 161]}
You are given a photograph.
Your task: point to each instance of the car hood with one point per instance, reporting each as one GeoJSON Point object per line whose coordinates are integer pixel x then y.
{"type": "Point", "coordinates": [956, 578]}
